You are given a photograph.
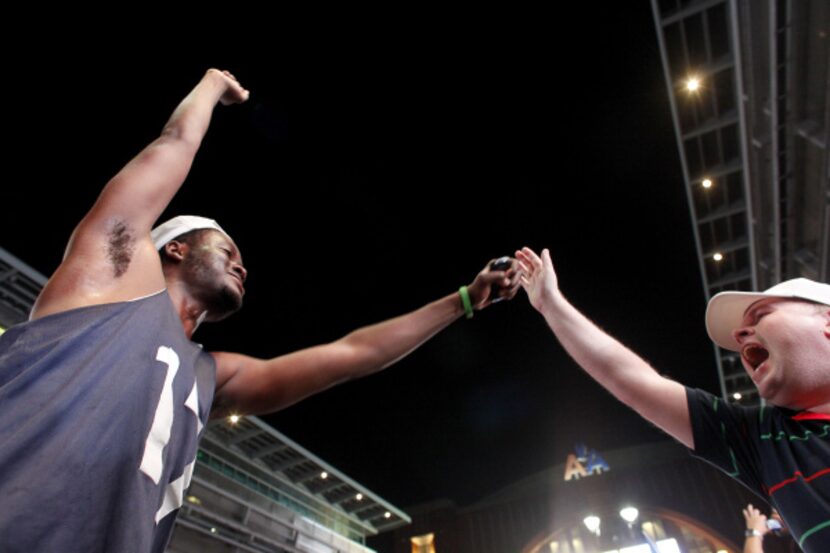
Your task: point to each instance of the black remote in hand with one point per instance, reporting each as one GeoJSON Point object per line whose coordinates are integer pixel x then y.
{"type": "Point", "coordinates": [500, 264]}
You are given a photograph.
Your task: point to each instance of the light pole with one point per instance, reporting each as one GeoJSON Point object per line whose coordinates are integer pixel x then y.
{"type": "Point", "coordinates": [592, 523]}
{"type": "Point", "coordinates": [630, 514]}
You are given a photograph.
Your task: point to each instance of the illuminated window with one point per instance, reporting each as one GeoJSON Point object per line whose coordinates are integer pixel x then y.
{"type": "Point", "coordinates": [620, 536]}
{"type": "Point", "coordinates": [663, 546]}
{"type": "Point", "coordinates": [423, 544]}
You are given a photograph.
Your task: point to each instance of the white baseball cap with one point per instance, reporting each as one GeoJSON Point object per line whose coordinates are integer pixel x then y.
{"type": "Point", "coordinates": [726, 310]}
{"type": "Point", "coordinates": [177, 226]}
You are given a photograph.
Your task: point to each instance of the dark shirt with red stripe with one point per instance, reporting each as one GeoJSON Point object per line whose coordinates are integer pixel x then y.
{"type": "Point", "coordinates": [782, 455]}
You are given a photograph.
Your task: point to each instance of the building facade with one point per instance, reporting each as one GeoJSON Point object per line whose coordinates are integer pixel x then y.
{"type": "Point", "coordinates": [679, 500]}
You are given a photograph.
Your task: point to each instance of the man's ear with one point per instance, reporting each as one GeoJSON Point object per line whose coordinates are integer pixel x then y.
{"type": "Point", "coordinates": [826, 313]}
{"type": "Point", "coordinates": [175, 250]}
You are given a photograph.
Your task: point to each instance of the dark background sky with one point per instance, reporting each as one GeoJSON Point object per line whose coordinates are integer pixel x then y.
{"type": "Point", "coordinates": [378, 167]}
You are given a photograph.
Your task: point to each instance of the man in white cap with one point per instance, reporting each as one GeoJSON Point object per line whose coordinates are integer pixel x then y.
{"type": "Point", "coordinates": [103, 396]}
{"type": "Point", "coordinates": [781, 451]}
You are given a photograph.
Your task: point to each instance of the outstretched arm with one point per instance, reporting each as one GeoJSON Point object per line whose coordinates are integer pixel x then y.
{"type": "Point", "coordinates": [254, 386]}
{"type": "Point", "coordinates": [110, 256]}
{"type": "Point", "coordinates": [630, 379]}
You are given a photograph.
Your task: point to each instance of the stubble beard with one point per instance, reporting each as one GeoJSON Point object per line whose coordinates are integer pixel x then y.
{"type": "Point", "coordinates": [218, 297]}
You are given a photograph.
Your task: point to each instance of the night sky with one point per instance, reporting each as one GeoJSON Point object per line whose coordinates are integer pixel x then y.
{"type": "Point", "coordinates": [380, 167]}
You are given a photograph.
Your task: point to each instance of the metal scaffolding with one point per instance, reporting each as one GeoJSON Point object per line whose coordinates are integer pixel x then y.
{"type": "Point", "coordinates": [19, 287]}
{"type": "Point", "coordinates": [752, 138]}
{"type": "Point", "coordinates": [254, 489]}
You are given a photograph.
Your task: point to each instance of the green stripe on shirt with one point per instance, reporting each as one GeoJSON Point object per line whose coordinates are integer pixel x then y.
{"type": "Point", "coordinates": [812, 531]}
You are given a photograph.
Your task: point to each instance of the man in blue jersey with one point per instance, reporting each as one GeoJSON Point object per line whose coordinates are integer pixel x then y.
{"type": "Point", "coordinates": [783, 335]}
{"type": "Point", "coordinates": [103, 396]}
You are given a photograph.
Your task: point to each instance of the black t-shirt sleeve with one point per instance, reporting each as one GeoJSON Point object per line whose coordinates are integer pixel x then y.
{"type": "Point", "coordinates": [724, 435]}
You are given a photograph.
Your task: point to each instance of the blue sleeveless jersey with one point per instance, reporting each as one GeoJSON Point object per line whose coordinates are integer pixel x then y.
{"type": "Point", "coordinates": [101, 409]}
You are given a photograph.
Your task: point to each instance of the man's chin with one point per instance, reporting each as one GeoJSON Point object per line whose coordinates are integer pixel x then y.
{"type": "Point", "coordinates": [768, 397]}
{"type": "Point", "coordinates": [777, 399]}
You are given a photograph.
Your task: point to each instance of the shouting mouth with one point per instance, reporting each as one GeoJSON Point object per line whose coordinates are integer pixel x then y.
{"type": "Point", "coordinates": [754, 355]}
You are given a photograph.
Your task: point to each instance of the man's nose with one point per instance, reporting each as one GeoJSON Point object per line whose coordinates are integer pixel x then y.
{"type": "Point", "coordinates": [241, 271]}
{"type": "Point", "coordinates": [742, 333]}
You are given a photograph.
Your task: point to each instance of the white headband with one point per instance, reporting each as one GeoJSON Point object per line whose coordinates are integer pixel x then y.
{"type": "Point", "coordinates": [177, 226]}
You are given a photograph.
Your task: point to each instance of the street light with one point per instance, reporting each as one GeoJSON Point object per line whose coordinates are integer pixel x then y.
{"type": "Point", "coordinates": [629, 514]}
{"type": "Point", "coordinates": [592, 523]}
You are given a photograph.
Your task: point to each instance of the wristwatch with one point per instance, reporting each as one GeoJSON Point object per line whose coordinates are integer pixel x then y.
{"type": "Point", "coordinates": [750, 532]}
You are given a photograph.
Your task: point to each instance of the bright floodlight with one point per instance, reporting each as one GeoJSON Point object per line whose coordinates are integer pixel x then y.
{"type": "Point", "coordinates": [387, 514]}
{"type": "Point", "coordinates": [234, 419]}
{"type": "Point", "coordinates": [707, 183]}
{"type": "Point", "coordinates": [737, 395]}
{"type": "Point", "coordinates": [663, 546]}
{"type": "Point", "coordinates": [718, 256]}
{"type": "Point", "coordinates": [693, 84]}
{"type": "Point", "coordinates": [324, 475]}
{"type": "Point", "coordinates": [592, 523]}
{"type": "Point", "coordinates": [629, 514]}
{"type": "Point", "coordinates": [668, 546]}
{"type": "Point", "coordinates": [640, 548]}
{"type": "Point", "coordinates": [359, 497]}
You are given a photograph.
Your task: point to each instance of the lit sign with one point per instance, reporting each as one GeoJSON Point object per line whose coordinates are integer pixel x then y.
{"type": "Point", "coordinates": [584, 462]}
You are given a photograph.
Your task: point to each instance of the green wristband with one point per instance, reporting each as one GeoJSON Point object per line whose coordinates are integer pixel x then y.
{"type": "Point", "coordinates": [465, 301]}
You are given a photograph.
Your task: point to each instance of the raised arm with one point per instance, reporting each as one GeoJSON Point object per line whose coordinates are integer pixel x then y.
{"type": "Point", "coordinates": [756, 529]}
{"type": "Point", "coordinates": [630, 379]}
{"type": "Point", "coordinates": [110, 256]}
{"type": "Point", "coordinates": [252, 386]}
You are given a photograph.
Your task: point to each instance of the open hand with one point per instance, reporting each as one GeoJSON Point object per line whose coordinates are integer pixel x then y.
{"type": "Point", "coordinates": [538, 277]}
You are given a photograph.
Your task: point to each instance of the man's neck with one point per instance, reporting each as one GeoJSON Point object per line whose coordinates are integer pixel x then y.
{"type": "Point", "coordinates": [190, 310]}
